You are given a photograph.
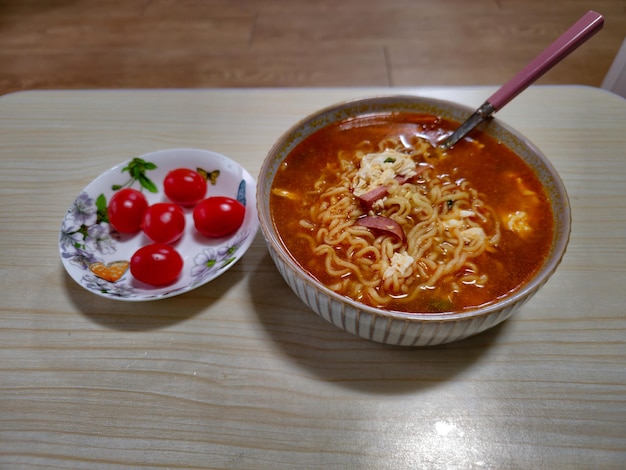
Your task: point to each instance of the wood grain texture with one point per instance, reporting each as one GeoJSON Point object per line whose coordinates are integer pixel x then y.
{"type": "Point", "coordinates": [239, 373]}
{"type": "Point", "coordinates": [76, 44]}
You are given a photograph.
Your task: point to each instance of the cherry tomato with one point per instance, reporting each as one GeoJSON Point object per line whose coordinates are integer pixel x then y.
{"type": "Point", "coordinates": [184, 186]}
{"type": "Point", "coordinates": [126, 209]}
{"type": "Point", "coordinates": [163, 222]}
{"type": "Point", "coordinates": [218, 216]}
{"type": "Point", "coordinates": [156, 264]}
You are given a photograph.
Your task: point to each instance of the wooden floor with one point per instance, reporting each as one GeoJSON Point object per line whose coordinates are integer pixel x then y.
{"type": "Point", "coordinates": [57, 44]}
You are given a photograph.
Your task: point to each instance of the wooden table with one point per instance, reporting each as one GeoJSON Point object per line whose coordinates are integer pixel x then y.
{"type": "Point", "coordinates": [239, 373]}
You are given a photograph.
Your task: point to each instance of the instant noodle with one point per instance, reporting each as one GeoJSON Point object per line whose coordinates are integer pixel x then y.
{"type": "Point", "coordinates": [373, 210]}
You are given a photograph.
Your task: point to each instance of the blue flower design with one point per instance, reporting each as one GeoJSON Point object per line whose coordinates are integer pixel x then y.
{"type": "Point", "coordinates": [81, 258]}
{"type": "Point", "coordinates": [83, 209]}
{"type": "Point", "coordinates": [211, 260]}
{"type": "Point", "coordinates": [99, 237]}
{"type": "Point", "coordinates": [83, 237]}
{"type": "Point", "coordinates": [205, 263]}
{"type": "Point", "coordinates": [70, 236]}
{"type": "Point", "coordinates": [116, 290]}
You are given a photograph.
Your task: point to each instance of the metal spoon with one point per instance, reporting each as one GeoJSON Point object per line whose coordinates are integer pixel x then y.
{"type": "Point", "coordinates": [589, 24]}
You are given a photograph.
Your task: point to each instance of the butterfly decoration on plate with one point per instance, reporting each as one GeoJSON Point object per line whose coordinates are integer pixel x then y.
{"type": "Point", "coordinates": [210, 176]}
{"type": "Point", "coordinates": [111, 272]}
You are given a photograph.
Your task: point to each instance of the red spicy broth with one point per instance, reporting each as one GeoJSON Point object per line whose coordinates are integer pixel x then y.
{"type": "Point", "coordinates": [499, 177]}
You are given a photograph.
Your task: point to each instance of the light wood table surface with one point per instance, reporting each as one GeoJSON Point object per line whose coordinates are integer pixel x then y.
{"type": "Point", "coordinates": [239, 373]}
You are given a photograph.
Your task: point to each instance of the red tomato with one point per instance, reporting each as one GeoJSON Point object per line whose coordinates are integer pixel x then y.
{"type": "Point", "coordinates": [156, 264]}
{"type": "Point", "coordinates": [163, 222]}
{"type": "Point", "coordinates": [126, 209]}
{"type": "Point", "coordinates": [218, 216]}
{"type": "Point", "coordinates": [184, 186]}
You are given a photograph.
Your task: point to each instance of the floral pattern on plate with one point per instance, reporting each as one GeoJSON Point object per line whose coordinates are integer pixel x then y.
{"type": "Point", "coordinates": [96, 256]}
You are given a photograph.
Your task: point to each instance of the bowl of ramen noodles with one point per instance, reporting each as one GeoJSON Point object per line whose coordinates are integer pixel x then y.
{"type": "Point", "coordinates": [385, 234]}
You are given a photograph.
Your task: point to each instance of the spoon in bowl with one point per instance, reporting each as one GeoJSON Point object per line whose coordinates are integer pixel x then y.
{"type": "Point", "coordinates": [589, 24]}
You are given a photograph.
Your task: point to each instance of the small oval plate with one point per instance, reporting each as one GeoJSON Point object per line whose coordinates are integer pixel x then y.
{"type": "Point", "coordinates": [97, 257]}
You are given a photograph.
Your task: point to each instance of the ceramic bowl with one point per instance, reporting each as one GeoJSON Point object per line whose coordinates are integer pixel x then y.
{"type": "Point", "coordinates": [393, 327]}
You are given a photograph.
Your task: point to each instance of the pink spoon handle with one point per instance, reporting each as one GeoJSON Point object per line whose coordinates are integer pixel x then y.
{"type": "Point", "coordinates": [578, 33]}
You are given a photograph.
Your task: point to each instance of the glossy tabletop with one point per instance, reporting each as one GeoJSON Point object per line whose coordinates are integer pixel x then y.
{"type": "Point", "coordinates": [239, 373]}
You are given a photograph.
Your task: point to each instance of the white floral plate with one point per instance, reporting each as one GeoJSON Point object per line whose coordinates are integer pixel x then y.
{"type": "Point", "coordinates": [89, 246]}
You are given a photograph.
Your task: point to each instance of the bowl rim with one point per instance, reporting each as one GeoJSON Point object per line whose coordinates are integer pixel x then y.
{"type": "Point", "coordinates": [521, 294]}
